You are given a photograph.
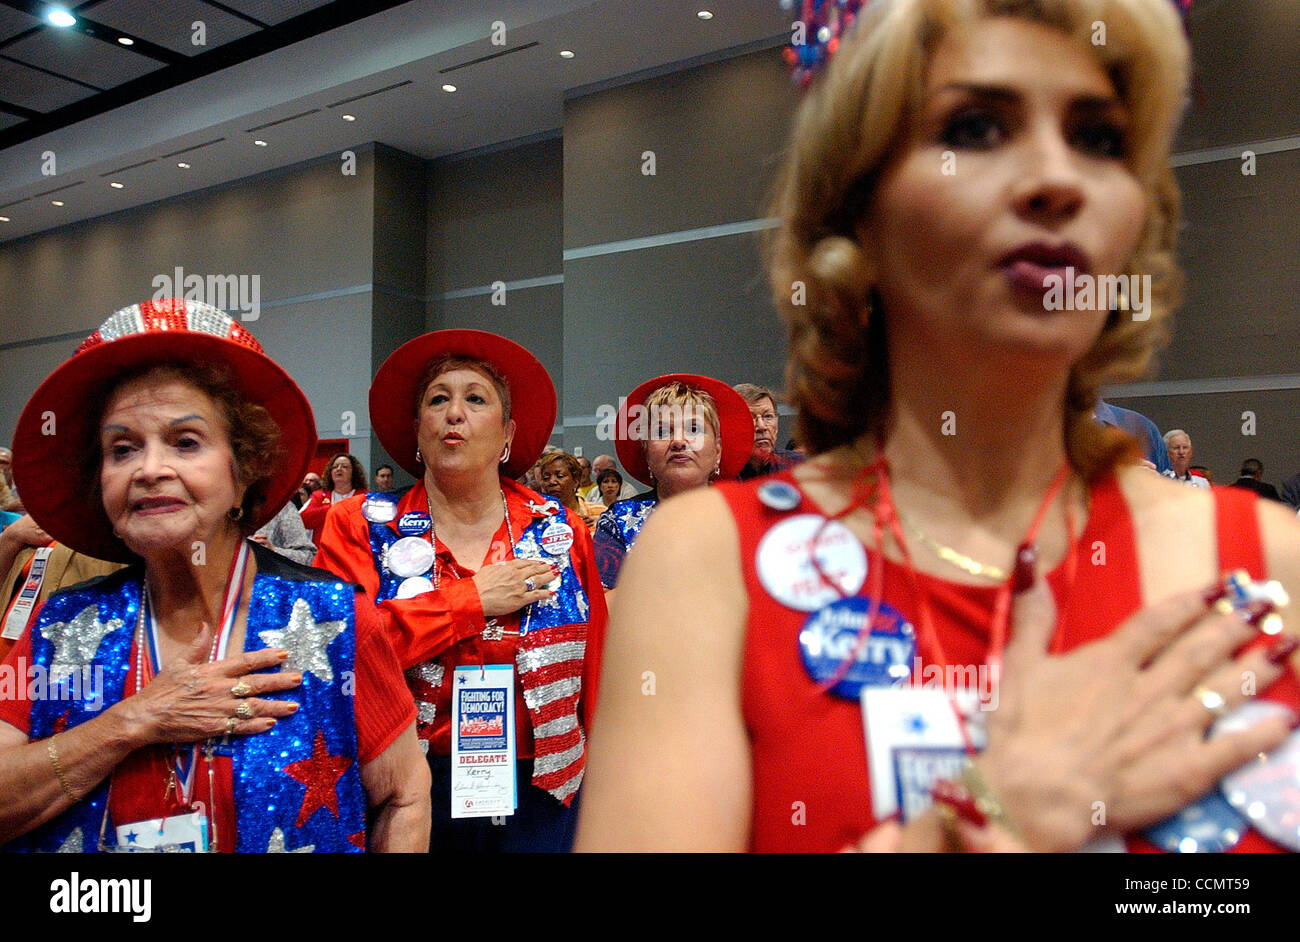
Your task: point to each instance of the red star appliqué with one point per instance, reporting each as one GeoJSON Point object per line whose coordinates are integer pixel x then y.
{"type": "Point", "coordinates": [321, 774]}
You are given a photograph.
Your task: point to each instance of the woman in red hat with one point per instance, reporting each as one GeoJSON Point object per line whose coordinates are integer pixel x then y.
{"type": "Point", "coordinates": [489, 592]}
{"type": "Point", "coordinates": [675, 433]}
{"type": "Point", "coordinates": [212, 696]}
{"type": "Point", "coordinates": [972, 620]}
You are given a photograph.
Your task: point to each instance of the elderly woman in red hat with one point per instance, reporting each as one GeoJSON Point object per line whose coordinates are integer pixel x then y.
{"type": "Point", "coordinates": [674, 433]}
{"type": "Point", "coordinates": [489, 591]}
{"type": "Point", "coordinates": [212, 696]}
{"type": "Point", "coordinates": [972, 620]}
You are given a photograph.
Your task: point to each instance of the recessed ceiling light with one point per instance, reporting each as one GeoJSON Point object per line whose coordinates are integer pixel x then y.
{"type": "Point", "coordinates": [61, 17]}
{"type": "Point", "coordinates": [566, 53]}
{"type": "Point", "coordinates": [704, 15]}
{"type": "Point", "coordinates": [449, 87]}
{"type": "Point", "coordinates": [4, 219]}
{"type": "Point", "coordinates": [56, 202]}
{"type": "Point", "coordinates": [117, 186]}
{"type": "Point", "coordinates": [349, 117]}
{"type": "Point", "coordinates": [260, 143]}
{"type": "Point", "coordinates": [183, 165]}
{"type": "Point", "coordinates": [126, 40]}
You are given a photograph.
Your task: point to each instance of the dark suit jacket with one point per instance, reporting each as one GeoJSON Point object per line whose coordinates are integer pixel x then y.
{"type": "Point", "coordinates": [1259, 487]}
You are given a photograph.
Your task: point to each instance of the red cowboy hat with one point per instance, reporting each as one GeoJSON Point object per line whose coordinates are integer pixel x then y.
{"type": "Point", "coordinates": [735, 423]}
{"type": "Point", "coordinates": [58, 424]}
{"type": "Point", "coordinates": [394, 391]}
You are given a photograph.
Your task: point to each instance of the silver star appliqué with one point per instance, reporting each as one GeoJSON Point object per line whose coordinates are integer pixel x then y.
{"type": "Point", "coordinates": [76, 642]}
{"type": "Point", "coordinates": [306, 640]}
{"type": "Point", "coordinates": [72, 844]}
{"type": "Point", "coordinates": [276, 844]}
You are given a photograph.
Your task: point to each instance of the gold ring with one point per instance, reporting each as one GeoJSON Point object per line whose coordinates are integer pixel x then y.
{"type": "Point", "coordinates": [231, 723]}
{"type": "Point", "coordinates": [1211, 700]}
{"type": "Point", "coordinates": [245, 710]}
{"type": "Point", "coordinates": [241, 689]}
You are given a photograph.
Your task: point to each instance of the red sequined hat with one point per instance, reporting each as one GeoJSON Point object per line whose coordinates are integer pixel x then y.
{"type": "Point", "coordinates": [735, 425]}
{"type": "Point", "coordinates": [56, 432]}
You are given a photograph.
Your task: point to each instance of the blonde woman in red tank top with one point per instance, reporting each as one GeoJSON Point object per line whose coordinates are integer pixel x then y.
{"type": "Point", "coordinates": [955, 180]}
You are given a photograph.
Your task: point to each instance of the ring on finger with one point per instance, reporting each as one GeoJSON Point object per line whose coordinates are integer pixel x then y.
{"type": "Point", "coordinates": [241, 689]}
{"type": "Point", "coordinates": [529, 584]}
{"type": "Point", "coordinates": [1211, 700]}
{"type": "Point", "coordinates": [231, 723]}
{"type": "Point", "coordinates": [245, 710]}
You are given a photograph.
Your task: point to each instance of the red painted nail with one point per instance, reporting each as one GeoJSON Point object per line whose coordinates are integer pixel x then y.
{"type": "Point", "coordinates": [1214, 593]}
{"type": "Point", "coordinates": [1282, 649]}
{"type": "Point", "coordinates": [1022, 577]}
{"type": "Point", "coordinates": [960, 800]}
{"type": "Point", "coordinates": [1257, 610]}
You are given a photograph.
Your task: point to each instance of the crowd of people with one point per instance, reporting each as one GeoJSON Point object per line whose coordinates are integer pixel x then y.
{"type": "Point", "coordinates": [908, 641]}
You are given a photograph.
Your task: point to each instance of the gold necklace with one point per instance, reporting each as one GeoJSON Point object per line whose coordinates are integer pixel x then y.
{"type": "Point", "coordinates": [951, 556]}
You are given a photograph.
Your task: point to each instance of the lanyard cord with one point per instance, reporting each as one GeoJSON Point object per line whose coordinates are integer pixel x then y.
{"type": "Point", "coordinates": [871, 490]}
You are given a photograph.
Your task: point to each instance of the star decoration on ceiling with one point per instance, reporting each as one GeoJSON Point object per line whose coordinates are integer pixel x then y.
{"type": "Point", "coordinates": [276, 845]}
{"type": "Point", "coordinates": [321, 774]}
{"type": "Point", "coordinates": [76, 642]}
{"type": "Point", "coordinates": [306, 640]}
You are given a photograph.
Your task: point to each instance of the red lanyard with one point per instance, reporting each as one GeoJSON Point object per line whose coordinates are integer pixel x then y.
{"type": "Point", "coordinates": [871, 490]}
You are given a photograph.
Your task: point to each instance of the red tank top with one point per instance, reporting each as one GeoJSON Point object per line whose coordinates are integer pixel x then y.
{"type": "Point", "coordinates": [808, 750]}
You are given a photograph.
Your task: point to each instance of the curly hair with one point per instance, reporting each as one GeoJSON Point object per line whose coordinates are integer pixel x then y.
{"type": "Point", "coordinates": [837, 372]}
{"type": "Point", "coordinates": [254, 435]}
{"type": "Point", "coordinates": [358, 472]}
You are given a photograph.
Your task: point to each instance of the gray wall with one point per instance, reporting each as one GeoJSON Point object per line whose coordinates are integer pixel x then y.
{"type": "Point", "coordinates": [306, 231]}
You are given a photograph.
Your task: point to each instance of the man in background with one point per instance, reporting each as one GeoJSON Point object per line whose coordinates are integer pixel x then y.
{"type": "Point", "coordinates": [766, 458]}
{"type": "Point", "coordinates": [1252, 479]}
{"type": "Point", "coordinates": [384, 478]}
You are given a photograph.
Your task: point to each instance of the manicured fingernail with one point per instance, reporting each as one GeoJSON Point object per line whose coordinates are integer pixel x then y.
{"type": "Point", "coordinates": [1214, 593]}
{"type": "Point", "coordinates": [1022, 577]}
{"type": "Point", "coordinates": [297, 678]}
{"type": "Point", "coordinates": [281, 653]}
{"type": "Point", "coordinates": [295, 707]}
{"type": "Point", "coordinates": [1257, 611]}
{"type": "Point", "coordinates": [1281, 650]}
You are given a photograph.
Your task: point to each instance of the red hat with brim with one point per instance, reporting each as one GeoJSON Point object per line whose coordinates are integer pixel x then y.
{"type": "Point", "coordinates": [57, 429]}
{"type": "Point", "coordinates": [396, 386]}
{"type": "Point", "coordinates": [735, 424]}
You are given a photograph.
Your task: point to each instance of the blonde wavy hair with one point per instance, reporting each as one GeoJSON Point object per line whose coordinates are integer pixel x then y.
{"type": "Point", "coordinates": [853, 121]}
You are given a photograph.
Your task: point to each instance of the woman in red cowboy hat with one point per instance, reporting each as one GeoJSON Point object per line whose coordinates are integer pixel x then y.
{"type": "Point", "coordinates": [202, 698]}
{"type": "Point", "coordinates": [675, 433]}
{"type": "Point", "coordinates": [472, 570]}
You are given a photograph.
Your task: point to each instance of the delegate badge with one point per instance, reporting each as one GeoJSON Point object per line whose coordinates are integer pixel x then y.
{"type": "Point", "coordinates": [378, 508]}
{"type": "Point", "coordinates": [785, 562]}
{"type": "Point", "coordinates": [178, 834]}
{"type": "Point", "coordinates": [416, 585]}
{"type": "Point", "coordinates": [414, 523]}
{"type": "Point", "coordinates": [833, 635]}
{"type": "Point", "coordinates": [778, 495]}
{"type": "Point", "coordinates": [409, 556]}
{"type": "Point", "coordinates": [1266, 791]}
{"type": "Point", "coordinates": [557, 538]}
{"type": "Point", "coordinates": [483, 741]}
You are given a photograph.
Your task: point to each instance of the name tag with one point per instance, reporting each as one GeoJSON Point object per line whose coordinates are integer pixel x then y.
{"type": "Point", "coordinates": [179, 834]}
{"type": "Point", "coordinates": [483, 741]}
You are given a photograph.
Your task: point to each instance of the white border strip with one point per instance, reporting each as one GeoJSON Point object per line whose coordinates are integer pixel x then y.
{"type": "Point", "coordinates": [1234, 152]}
{"type": "Point", "coordinates": [671, 238]}
{"type": "Point", "coordinates": [540, 282]}
{"type": "Point", "coordinates": [1198, 387]}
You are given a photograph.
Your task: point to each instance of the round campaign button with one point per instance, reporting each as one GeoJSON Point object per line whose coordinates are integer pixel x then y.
{"type": "Point", "coordinates": [416, 585]}
{"type": "Point", "coordinates": [778, 495]}
{"type": "Point", "coordinates": [414, 523]}
{"type": "Point", "coordinates": [833, 637]}
{"type": "Point", "coordinates": [1267, 790]}
{"type": "Point", "coordinates": [557, 538]}
{"type": "Point", "coordinates": [1208, 826]}
{"type": "Point", "coordinates": [409, 556]}
{"type": "Point", "coordinates": [785, 562]}
{"type": "Point", "coordinates": [378, 509]}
